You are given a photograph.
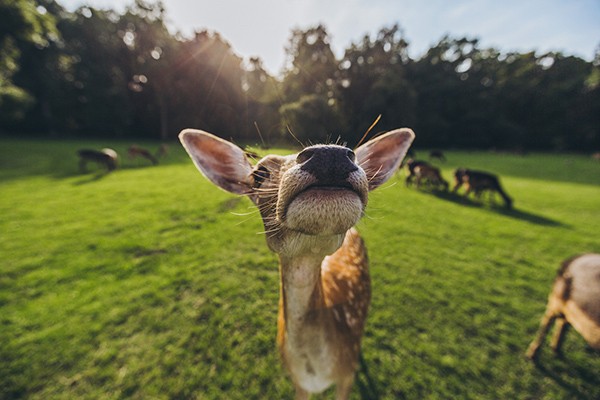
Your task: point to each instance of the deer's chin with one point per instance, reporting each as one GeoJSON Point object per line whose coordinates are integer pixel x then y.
{"type": "Point", "coordinates": [324, 211]}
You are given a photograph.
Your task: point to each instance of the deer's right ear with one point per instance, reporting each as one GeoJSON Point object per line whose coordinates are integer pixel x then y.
{"type": "Point", "coordinates": [222, 162]}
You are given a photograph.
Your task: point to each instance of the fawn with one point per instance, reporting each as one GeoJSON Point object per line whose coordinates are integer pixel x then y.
{"type": "Point", "coordinates": [309, 203]}
{"type": "Point", "coordinates": [574, 300]}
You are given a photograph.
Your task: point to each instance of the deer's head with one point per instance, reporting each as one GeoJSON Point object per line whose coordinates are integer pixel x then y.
{"type": "Point", "coordinates": [306, 199]}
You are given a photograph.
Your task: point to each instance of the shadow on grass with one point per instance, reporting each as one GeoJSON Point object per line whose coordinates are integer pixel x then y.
{"type": "Point", "coordinates": [366, 385]}
{"type": "Point", "coordinates": [498, 209]}
{"type": "Point", "coordinates": [87, 178]}
{"type": "Point", "coordinates": [94, 174]}
{"type": "Point", "coordinates": [580, 380]}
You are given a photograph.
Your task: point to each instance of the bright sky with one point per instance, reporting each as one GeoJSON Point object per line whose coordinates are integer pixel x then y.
{"type": "Point", "coordinates": [262, 27]}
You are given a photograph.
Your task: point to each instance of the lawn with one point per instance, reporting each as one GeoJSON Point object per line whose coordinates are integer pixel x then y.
{"type": "Point", "coordinates": [150, 283]}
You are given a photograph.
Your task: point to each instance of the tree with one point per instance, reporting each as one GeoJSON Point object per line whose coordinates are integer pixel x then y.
{"type": "Point", "coordinates": [373, 81]}
{"type": "Point", "coordinates": [308, 86]}
{"type": "Point", "coordinates": [22, 23]}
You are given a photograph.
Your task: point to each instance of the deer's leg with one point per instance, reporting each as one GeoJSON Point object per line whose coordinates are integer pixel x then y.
{"type": "Point", "coordinates": [301, 394]}
{"type": "Point", "coordinates": [457, 184]}
{"type": "Point", "coordinates": [343, 388]}
{"type": "Point", "coordinates": [559, 334]}
{"type": "Point", "coordinates": [468, 190]}
{"type": "Point", "coordinates": [547, 321]}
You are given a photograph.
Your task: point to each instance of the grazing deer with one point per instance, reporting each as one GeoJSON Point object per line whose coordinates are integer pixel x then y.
{"type": "Point", "coordinates": [309, 203]}
{"type": "Point", "coordinates": [574, 300]}
{"type": "Point", "coordinates": [437, 154]}
{"type": "Point", "coordinates": [410, 169]}
{"type": "Point", "coordinates": [478, 182]}
{"type": "Point", "coordinates": [430, 175]}
{"type": "Point", "coordinates": [105, 157]}
{"type": "Point", "coordinates": [136, 151]}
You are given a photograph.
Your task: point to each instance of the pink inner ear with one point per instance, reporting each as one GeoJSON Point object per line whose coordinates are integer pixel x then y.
{"type": "Point", "coordinates": [222, 162]}
{"type": "Point", "coordinates": [382, 156]}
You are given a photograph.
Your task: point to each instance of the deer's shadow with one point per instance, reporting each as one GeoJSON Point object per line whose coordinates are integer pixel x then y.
{"type": "Point", "coordinates": [494, 207]}
{"type": "Point", "coordinates": [366, 385]}
{"type": "Point", "coordinates": [579, 380]}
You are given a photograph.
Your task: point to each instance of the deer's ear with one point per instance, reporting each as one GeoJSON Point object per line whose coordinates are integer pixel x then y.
{"type": "Point", "coordinates": [222, 162]}
{"type": "Point", "coordinates": [381, 157]}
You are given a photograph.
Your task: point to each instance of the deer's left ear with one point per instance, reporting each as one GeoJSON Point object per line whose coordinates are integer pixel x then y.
{"type": "Point", "coordinates": [381, 157]}
{"type": "Point", "coordinates": [222, 162]}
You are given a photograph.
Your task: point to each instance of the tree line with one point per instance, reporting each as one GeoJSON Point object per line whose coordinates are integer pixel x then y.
{"type": "Point", "coordinates": [103, 73]}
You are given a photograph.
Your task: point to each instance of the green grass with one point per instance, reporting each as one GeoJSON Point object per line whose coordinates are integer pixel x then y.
{"type": "Point", "coordinates": [147, 283]}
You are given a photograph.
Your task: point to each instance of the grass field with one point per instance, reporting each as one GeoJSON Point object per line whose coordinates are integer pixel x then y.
{"type": "Point", "coordinates": [149, 283]}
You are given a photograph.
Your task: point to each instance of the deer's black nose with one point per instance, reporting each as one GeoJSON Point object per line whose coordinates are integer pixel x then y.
{"type": "Point", "coordinates": [330, 164]}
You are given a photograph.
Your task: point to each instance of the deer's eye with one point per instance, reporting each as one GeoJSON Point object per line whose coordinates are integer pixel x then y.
{"type": "Point", "coordinates": [259, 175]}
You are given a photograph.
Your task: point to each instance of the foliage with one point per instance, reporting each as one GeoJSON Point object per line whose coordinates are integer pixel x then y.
{"type": "Point", "coordinates": [312, 118]}
{"type": "Point", "coordinates": [125, 75]}
{"type": "Point", "coordinates": [23, 23]}
{"type": "Point", "coordinates": [149, 282]}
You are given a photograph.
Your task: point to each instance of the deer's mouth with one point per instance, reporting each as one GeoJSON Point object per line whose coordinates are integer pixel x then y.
{"type": "Point", "coordinates": [328, 188]}
{"type": "Point", "coordinates": [324, 209]}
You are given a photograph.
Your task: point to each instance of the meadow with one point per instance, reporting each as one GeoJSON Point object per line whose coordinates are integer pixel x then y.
{"type": "Point", "coordinates": [150, 283]}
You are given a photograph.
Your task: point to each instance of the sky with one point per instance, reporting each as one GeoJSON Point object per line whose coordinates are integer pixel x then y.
{"type": "Point", "coordinates": [263, 27]}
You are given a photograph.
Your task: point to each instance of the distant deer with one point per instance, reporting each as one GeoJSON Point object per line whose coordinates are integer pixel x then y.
{"type": "Point", "coordinates": [574, 300]}
{"type": "Point", "coordinates": [309, 203]}
{"type": "Point", "coordinates": [162, 150]}
{"type": "Point", "coordinates": [437, 154]}
{"type": "Point", "coordinates": [107, 158]}
{"type": "Point", "coordinates": [478, 182]}
{"type": "Point", "coordinates": [429, 175]}
{"type": "Point", "coordinates": [410, 169]}
{"type": "Point", "coordinates": [136, 151]}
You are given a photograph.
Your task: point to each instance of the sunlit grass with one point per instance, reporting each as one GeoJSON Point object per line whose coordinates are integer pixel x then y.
{"type": "Point", "coordinates": [147, 283]}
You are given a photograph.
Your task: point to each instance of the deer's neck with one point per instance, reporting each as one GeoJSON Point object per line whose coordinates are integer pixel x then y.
{"type": "Point", "coordinates": [302, 290]}
{"type": "Point", "coordinates": [304, 331]}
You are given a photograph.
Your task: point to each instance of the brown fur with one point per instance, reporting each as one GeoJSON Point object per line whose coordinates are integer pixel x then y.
{"type": "Point", "coordinates": [574, 300]}
{"type": "Point", "coordinates": [136, 151]}
{"type": "Point", "coordinates": [431, 176]}
{"type": "Point", "coordinates": [410, 169]}
{"type": "Point", "coordinates": [309, 202]}
{"type": "Point", "coordinates": [478, 182]}
{"type": "Point", "coordinates": [106, 157]}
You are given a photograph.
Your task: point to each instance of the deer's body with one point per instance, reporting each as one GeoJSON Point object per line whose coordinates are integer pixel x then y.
{"type": "Point", "coordinates": [105, 157]}
{"type": "Point", "coordinates": [309, 203]}
{"type": "Point", "coordinates": [574, 300]}
{"type": "Point", "coordinates": [411, 164]}
{"type": "Point", "coordinates": [429, 175]}
{"type": "Point", "coordinates": [320, 324]}
{"type": "Point", "coordinates": [478, 182]}
{"type": "Point", "coordinates": [136, 151]}
{"type": "Point", "coordinates": [437, 154]}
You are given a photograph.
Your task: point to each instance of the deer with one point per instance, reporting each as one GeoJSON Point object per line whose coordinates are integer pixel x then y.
{"type": "Point", "coordinates": [430, 175]}
{"type": "Point", "coordinates": [136, 151]}
{"type": "Point", "coordinates": [574, 300]}
{"type": "Point", "coordinates": [437, 154]}
{"type": "Point", "coordinates": [411, 164]}
{"type": "Point", "coordinates": [309, 203]}
{"type": "Point", "coordinates": [105, 157]}
{"type": "Point", "coordinates": [478, 182]}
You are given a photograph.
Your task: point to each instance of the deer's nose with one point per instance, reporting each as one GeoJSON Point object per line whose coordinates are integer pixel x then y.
{"type": "Point", "coordinates": [328, 164]}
